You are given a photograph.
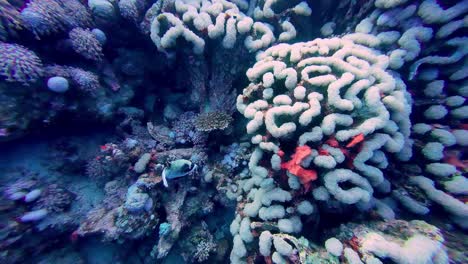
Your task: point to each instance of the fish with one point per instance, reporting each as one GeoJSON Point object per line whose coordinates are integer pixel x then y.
{"type": "Point", "coordinates": [178, 168]}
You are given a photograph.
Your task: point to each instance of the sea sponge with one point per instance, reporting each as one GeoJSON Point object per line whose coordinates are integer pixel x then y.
{"type": "Point", "coordinates": [58, 84]}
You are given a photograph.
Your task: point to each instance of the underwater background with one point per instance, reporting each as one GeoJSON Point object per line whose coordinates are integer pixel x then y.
{"type": "Point", "coordinates": [216, 131]}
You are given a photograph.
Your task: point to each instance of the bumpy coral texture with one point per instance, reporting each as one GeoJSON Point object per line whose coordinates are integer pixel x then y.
{"type": "Point", "coordinates": [199, 21]}
{"type": "Point", "coordinates": [332, 95]}
{"type": "Point", "coordinates": [19, 64]}
{"type": "Point", "coordinates": [131, 9]}
{"type": "Point", "coordinates": [346, 113]}
{"type": "Point", "coordinates": [45, 17]}
{"type": "Point", "coordinates": [85, 43]}
{"type": "Point", "coordinates": [84, 80]}
{"type": "Point", "coordinates": [210, 121]}
{"type": "Point", "coordinates": [10, 20]}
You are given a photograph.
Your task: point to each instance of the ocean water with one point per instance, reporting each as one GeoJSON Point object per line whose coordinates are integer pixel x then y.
{"type": "Point", "coordinates": [233, 131]}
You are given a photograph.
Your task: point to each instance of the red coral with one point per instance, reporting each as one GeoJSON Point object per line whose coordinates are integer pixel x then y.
{"type": "Point", "coordinates": [332, 142]}
{"type": "Point", "coordinates": [295, 168]}
{"type": "Point", "coordinates": [452, 157]}
{"type": "Point", "coordinates": [354, 243]}
{"type": "Point", "coordinates": [323, 152]}
{"type": "Point", "coordinates": [356, 140]}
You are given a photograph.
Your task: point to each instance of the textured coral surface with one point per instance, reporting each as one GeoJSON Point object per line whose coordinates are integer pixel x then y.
{"type": "Point", "coordinates": [233, 131]}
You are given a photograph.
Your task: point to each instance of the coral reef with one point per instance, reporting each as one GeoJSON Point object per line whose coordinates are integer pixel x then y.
{"type": "Point", "coordinates": [19, 64]}
{"type": "Point", "coordinates": [85, 43]}
{"type": "Point", "coordinates": [53, 16]}
{"type": "Point", "coordinates": [233, 131]}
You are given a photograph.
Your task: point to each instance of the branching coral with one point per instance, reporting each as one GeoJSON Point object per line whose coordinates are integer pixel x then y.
{"type": "Point", "coordinates": [19, 64]}
{"type": "Point", "coordinates": [185, 131]}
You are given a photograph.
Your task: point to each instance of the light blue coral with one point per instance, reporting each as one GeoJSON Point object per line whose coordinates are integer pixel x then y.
{"type": "Point", "coordinates": [164, 229]}
{"type": "Point", "coordinates": [137, 201]}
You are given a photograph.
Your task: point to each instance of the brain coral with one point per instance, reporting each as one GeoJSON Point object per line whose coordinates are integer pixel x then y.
{"type": "Point", "coordinates": [199, 21]}
{"type": "Point", "coordinates": [325, 113]}
{"type": "Point", "coordinates": [331, 95]}
{"type": "Point", "coordinates": [19, 64]}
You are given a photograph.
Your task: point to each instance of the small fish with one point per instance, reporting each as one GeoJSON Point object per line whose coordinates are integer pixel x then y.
{"type": "Point", "coordinates": [178, 168]}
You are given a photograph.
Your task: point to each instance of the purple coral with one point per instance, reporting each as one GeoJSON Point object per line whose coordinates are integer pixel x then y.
{"type": "Point", "coordinates": [77, 14]}
{"type": "Point", "coordinates": [131, 9]}
{"type": "Point", "coordinates": [209, 121]}
{"type": "Point", "coordinates": [84, 80]}
{"type": "Point", "coordinates": [54, 199]}
{"type": "Point", "coordinates": [85, 43]}
{"type": "Point", "coordinates": [185, 130]}
{"type": "Point", "coordinates": [45, 17]}
{"type": "Point", "coordinates": [9, 19]}
{"type": "Point", "coordinates": [19, 64]}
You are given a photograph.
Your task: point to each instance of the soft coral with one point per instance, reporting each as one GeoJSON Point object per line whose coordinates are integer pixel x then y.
{"type": "Point", "coordinates": [295, 168]}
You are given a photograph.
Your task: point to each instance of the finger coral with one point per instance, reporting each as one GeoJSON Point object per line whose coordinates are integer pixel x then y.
{"type": "Point", "coordinates": [337, 101]}
{"type": "Point", "coordinates": [199, 21]}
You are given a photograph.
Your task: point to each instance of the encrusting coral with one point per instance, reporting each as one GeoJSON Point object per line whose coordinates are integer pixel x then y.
{"type": "Point", "coordinates": [210, 121]}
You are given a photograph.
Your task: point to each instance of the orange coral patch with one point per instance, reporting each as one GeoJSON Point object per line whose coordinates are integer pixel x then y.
{"type": "Point", "coordinates": [356, 140]}
{"type": "Point", "coordinates": [294, 166]}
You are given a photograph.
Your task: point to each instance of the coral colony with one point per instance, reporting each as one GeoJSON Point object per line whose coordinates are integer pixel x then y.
{"type": "Point", "coordinates": [216, 131]}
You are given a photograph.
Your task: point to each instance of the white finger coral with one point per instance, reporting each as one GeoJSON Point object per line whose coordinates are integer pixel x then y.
{"type": "Point", "coordinates": [199, 21]}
